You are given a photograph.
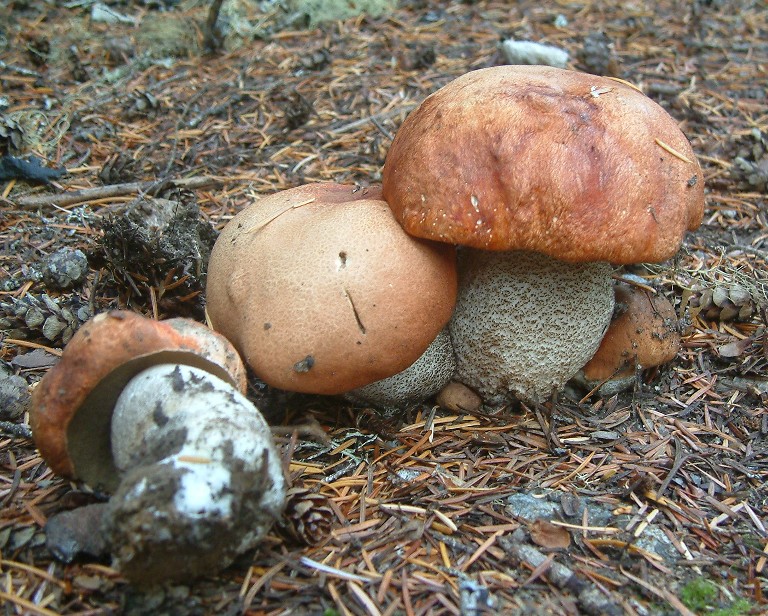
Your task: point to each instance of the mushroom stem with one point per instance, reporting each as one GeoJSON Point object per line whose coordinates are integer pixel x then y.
{"type": "Point", "coordinates": [202, 480]}
{"type": "Point", "coordinates": [422, 379]}
{"type": "Point", "coordinates": [524, 323]}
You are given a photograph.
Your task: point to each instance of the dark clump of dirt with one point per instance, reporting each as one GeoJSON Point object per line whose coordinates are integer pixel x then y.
{"type": "Point", "coordinates": [158, 249]}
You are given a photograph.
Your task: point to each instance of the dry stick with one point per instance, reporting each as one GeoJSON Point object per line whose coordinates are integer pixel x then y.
{"type": "Point", "coordinates": [19, 69]}
{"type": "Point", "coordinates": [590, 599]}
{"type": "Point", "coordinates": [677, 464]}
{"type": "Point", "coordinates": [106, 192]}
{"type": "Point", "coordinates": [375, 117]}
{"type": "Point", "coordinates": [15, 430]}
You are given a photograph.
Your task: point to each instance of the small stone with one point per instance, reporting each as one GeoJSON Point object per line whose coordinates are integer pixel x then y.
{"type": "Point", "coordinates": [64, 269]}
{"type": "Point", "coordinates": [70, 534]}
{"type": "Point", "coordinates": [530, 52]}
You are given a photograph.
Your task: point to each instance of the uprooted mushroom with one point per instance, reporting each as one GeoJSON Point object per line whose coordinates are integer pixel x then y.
{"type": "Point", "coordinates": [152, 411]}
{"type": "Point", "coordinates": [547, 179]}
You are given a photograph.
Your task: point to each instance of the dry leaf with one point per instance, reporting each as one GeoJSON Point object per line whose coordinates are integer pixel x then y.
{"type": "Point", "coordinates": [734, 349]}
{"type": "Point", "coordinates": [34, 360]}
{"type": "Point", "coordinates": [549, 535]}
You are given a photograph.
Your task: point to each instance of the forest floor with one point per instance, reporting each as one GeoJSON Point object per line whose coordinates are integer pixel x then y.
{"type": "Point", "coordinates": [650, 502]}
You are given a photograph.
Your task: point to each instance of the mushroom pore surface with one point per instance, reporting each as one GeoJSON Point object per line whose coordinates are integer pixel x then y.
{"type": "Point", "coordinates": [525, 323]}
{"type": "Point", "coordinates": [322, 291]}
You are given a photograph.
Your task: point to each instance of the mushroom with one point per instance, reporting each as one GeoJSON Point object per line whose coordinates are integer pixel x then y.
{"type": "Point", "coordinates": [560, 174]}
{"type": "Point", "coordinates": [419, 381]}
{"type": "Point", "coordinates": [644, 333]}
{"type": "Point", "coordinates": [457, 397]}
{"type": "Point", "coordinates": [322, 292]}
{"type": "Point", "coordinates": [153, 411]}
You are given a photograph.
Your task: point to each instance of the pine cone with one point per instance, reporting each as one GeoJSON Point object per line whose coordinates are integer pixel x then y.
{"type": "Point", "coordinates": [56, 320]}
{"type": "Point", "coordinates": [308, 516]}
{"type": "Point", "coordinates": [11, 136]}
{"type": "Point", "coordinates": [724, 303]}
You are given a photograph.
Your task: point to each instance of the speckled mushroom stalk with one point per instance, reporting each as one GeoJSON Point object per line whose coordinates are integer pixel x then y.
{"type": "Point", "coordinates": [153, 411]}
{"type": "Point", "coordinates": [547, 177]}
{"type": "Point", "coordinates": [419, 381]}
{"type": "Point", "coordinates": [545, 321]}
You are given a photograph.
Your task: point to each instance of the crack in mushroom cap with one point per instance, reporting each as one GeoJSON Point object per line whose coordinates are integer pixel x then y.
{"type": "Point", "coordinates": [322, 291]}
{"type": "Point", "coordinates": [576, 166]}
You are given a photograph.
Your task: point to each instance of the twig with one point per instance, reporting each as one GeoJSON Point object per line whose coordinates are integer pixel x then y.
{"type": "Point", "coordinates": [216, 109]}
{"type": "Point", "coordinates": [212, 37]}
{"type": "Point", "coordinates": [375, 117]}
{"type": "Point", "coordinates": [106, 192]}
{"type": "Point", "coordinates": [16, 430]}
{"type": "Point", "coordinates": [19, 69]}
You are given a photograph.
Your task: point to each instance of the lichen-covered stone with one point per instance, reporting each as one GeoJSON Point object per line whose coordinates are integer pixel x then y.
{"type": "Point", "coordinates": [318, 11]}
{"type": "Point", "coordinates": [525, 323]}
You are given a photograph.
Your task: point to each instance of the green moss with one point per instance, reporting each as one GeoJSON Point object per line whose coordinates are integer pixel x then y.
{"type": "Point", "coordinates": [702, 596]}
{"type": "Point", "coordinates": [699, 594]}
{"type": "Point", "coordinates": [737, 608]}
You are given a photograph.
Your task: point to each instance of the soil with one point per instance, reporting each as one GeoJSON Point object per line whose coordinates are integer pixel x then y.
{"type": "Point", "coordinates": [656, 497]}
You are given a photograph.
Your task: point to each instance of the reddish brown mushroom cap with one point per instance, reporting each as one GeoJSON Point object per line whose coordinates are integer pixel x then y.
{"type": "Point", "coordinates": [579, 167]}
{"type": "Point", "coordinates": [323, 292]}
{"type": "Point", "coordinates": [72, 405]}
{"type": "Point", "coordinates": [644, 334]}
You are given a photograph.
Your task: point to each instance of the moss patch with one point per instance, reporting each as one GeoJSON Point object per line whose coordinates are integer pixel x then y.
{"type": "Point", "coordinates": [702, 596]}
{"type": "Point", "coordinates": [317, 11]}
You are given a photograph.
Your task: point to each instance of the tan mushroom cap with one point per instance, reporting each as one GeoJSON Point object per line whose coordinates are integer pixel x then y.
{"type": "Point", "coordinates": [579, 167]}
{"type": "Point", "coordinates": [322, 291]}
{"type": "Point", "coordinates": [72, 405]}
{"type": "Point", "coordinates": [644, 334]}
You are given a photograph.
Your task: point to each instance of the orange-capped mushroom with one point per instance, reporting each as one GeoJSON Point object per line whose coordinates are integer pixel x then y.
{"type": "Point", "coordinates": [153, 411]}
{"type": "Point", "coordinates": [323, 292]}
{"type": "Point", "coordinates": [547, 179]}
{"type": "Point", "coordinates": [643, 334]}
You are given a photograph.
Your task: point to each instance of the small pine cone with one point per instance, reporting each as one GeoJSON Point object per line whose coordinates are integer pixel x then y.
{"type": "Point", "coordinates": [308, 517]}
{"type": "Point", "coordinates": [35, 316]}
{"type": "Point", "coordinates": [724, 303]}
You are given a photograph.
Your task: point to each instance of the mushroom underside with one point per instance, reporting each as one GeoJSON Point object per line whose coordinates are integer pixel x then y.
{"type": "Point", "coordinates": [524, 323]}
